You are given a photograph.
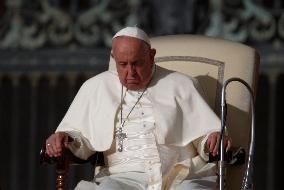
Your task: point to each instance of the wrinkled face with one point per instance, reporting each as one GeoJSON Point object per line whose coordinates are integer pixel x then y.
{"type": "Point", "coordinates": [134, 62]}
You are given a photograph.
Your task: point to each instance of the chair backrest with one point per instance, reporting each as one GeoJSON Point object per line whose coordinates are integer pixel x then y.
{"type": "Point", "coordinates": [212, 61]}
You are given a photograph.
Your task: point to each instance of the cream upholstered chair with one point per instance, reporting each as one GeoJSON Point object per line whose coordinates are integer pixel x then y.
{"type": "Point", "coordinates": [212, 61]}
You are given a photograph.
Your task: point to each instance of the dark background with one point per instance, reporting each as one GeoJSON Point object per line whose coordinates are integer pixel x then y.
{"type": "Point", "coordinates": [49, 47]}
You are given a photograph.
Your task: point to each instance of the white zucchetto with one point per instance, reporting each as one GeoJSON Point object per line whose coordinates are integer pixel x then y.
{"type": "Point", "coordinates": [134, 32]}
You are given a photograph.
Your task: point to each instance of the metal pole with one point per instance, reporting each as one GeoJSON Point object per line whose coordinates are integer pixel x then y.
{"type": "Point", "coordinates": [247, 181]}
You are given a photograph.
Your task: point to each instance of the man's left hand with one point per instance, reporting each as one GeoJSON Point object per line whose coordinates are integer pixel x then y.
{"type": "Point", "coordinates": [213, 143]}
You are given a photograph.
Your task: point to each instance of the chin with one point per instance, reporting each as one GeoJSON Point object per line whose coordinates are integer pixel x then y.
{"type": "Point", "coordinates": [134, 87]}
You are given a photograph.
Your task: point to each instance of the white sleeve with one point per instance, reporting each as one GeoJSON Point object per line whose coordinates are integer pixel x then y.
{"type": "Point", "coordinates": [80, 147]}
{"type": "Point", "coordinates": [200, 145]}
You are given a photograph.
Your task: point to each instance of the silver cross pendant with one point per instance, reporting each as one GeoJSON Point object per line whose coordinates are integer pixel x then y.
{"type": "Point", "coordinates": [120, 136]}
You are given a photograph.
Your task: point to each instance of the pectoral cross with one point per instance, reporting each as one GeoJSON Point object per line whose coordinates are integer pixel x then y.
{"type": "Point", "coordinates": [120, 136]}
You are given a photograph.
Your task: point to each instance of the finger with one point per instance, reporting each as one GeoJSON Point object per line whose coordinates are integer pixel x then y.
{"type": "Point", "coordinates": [229, 144]}
{"type": "Point", "coordinates": [66, 141]}
{"type": "Point", "coordinates": [50, 150]}
{"type": "Point", "coordinates": [213, 144]}
{"type": "Point", "coordinates": [47, 148]}
{"type": "Point", "coordinates": [58, 145]}
{"type": "Point", "coordinates": [216, 145]}
{"type": "Point", "coordinates": [51, 146]}
{"type": "Point", "coordinates": [215, 150]}
{"type": "Point", "coordinates": [226, 140]}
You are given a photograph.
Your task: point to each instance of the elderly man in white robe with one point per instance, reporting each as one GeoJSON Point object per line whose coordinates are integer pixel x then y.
{"type": "Point", "coordinates": [152, 124]}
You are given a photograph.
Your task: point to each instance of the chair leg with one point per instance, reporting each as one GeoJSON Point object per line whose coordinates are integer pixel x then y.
{"type": "Point", "coordinates": [60, 180]}
{"type": "Point", "coordinates": [62, 168]}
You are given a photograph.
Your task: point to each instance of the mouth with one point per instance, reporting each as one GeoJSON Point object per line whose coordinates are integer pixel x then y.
{"type": "Point", "coordinates": [132, 81]}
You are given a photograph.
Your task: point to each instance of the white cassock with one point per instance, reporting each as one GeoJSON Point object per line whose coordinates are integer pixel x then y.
{"type": "Point", "coordinates": [166, 133]}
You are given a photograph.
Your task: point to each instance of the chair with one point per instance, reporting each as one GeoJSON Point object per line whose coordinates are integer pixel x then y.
{"type": "Point", "coordinates": [212, 61]}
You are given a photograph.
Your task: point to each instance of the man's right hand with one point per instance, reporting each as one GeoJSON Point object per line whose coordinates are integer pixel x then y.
{"type": "Point", "coordinates": [55, 144]}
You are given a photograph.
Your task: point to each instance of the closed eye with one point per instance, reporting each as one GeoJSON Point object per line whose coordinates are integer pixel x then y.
{"type": "Point", "coordinates": [138, 63]}
{"type": "Point", "coordinates": [122, 64]}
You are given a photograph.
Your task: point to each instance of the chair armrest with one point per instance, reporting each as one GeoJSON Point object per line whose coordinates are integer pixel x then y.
{"type": "Point", "coordinates": [235, 156]}
{"type": "Point", "coordinates": [67, 156]}
{"type": "Point", "coordinates": [63, 162]}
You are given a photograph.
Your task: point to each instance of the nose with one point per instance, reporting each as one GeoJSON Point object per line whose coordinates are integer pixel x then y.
{"type": "Point", "coordinates": [131, 69]}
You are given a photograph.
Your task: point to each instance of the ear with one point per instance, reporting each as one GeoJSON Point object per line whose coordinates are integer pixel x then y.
{"type": "Point", "coordinates": [111, 54]}
{"type": "Point", "coordinates": [152, 54]}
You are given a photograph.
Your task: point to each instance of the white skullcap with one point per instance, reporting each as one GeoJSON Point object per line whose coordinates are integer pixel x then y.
{"type": "Point", "coordinates": [134, 32]}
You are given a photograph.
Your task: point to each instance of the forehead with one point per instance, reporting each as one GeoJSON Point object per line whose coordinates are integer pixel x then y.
{"type": "Point", "coordinates": [129, 44]}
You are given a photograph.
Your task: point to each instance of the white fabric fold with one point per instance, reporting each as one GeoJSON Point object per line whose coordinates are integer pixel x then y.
{"type": "Point", "coordinates": [180, 112]}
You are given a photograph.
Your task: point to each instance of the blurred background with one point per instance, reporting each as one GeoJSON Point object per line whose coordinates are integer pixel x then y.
{"type": "Point", "coordinates": [49, 47]}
